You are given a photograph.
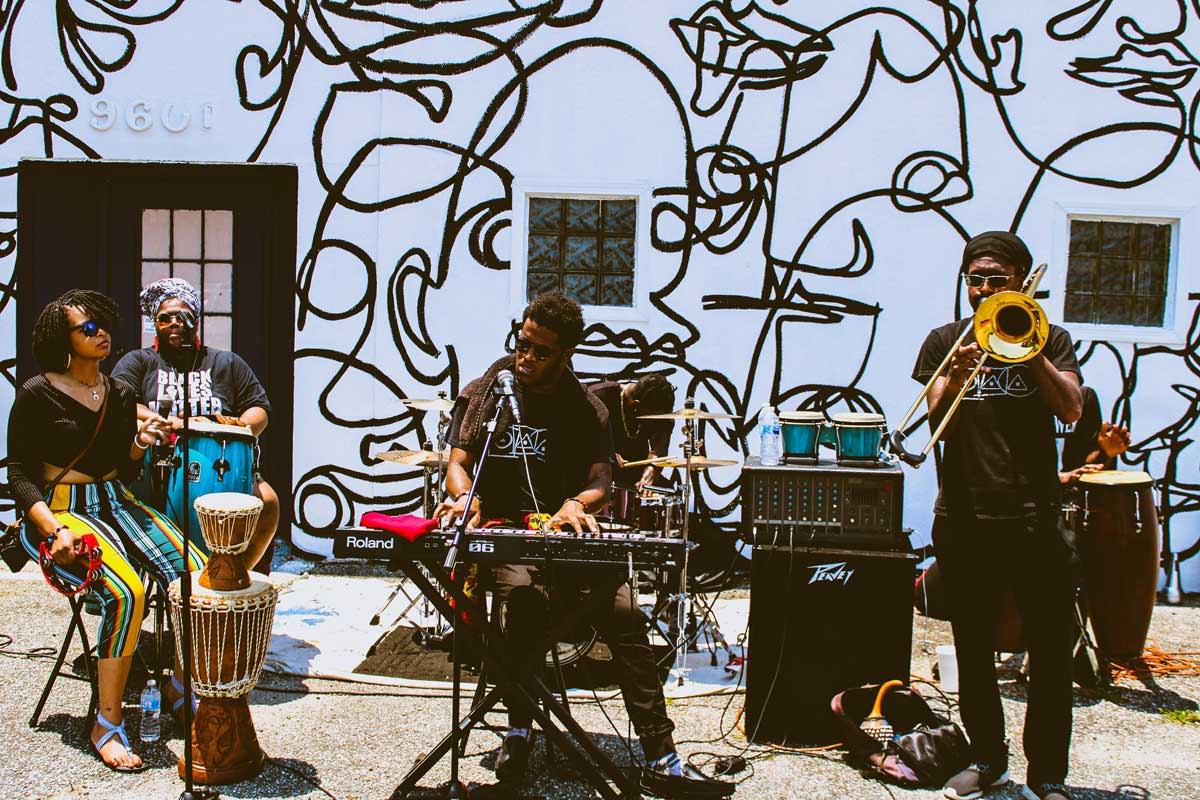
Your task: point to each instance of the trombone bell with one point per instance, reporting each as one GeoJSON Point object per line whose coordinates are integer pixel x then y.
{"type": "Point", "coordinates": [1011, 327]}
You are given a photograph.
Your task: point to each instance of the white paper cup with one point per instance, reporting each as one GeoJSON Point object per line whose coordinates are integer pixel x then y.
{"type": "Point", "coordinates": [947, 667]}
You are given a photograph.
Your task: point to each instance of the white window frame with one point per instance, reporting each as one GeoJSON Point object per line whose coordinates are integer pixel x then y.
{"type": "Point", "coordinates": [1179, 283]}
{"type": "Point", "coordinates": [643, 274]}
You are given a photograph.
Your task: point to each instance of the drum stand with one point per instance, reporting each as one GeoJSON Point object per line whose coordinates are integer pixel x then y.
{"type": "Point", "coordinates": [432, 494]}
{"type": "Point", "coordinates": [683, 606]}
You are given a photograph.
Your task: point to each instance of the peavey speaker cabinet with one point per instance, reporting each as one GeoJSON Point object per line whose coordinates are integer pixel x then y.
{"type": "Point", "coordinates": [822, 620]}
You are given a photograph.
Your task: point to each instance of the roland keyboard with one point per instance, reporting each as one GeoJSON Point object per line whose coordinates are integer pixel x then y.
{"type": "Point", "coordinates": [515, 546]}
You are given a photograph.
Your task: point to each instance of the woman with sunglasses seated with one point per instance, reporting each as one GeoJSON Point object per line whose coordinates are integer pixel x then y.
{"type": "Point", "coordinates": [52, 419]}
{"type": "Point", "coordinates": [222, 387]}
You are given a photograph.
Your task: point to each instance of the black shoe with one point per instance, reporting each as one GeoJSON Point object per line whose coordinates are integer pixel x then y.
{"type": "Point", "coordinates": [514, 756]}
{"type": "Point", "coordinates": [691, 785]}
{"type": "Point", "coordinates": [1045, 791]}
{"type": "Point", "coordinates": [975, 781]}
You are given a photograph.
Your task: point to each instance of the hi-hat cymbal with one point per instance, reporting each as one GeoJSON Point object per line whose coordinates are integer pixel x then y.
{"type": "Point", "coordinates": [429, 404]}
{"type": "Point", "coordinates": [689, 413]}
{"type": "Point", "coordinates": [412, 458]}
{"type": "Point", "coordinates": [698, 462]}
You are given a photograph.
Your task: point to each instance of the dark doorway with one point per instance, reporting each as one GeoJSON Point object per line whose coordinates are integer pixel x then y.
{"type": "Point", "coordinates": [230, 229]}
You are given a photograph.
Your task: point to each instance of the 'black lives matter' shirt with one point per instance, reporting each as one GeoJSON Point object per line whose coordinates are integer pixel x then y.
{"type": "Point", "coordinates": [221, 383]}
{"type": "Point", "coordinates": [1000, 457]}
{"type": "Point", "coordinates": [560, 435]}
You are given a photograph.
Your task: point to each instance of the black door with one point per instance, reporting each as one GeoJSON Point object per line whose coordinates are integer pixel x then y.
{"type": "Point", "coordinates": [229, 229]}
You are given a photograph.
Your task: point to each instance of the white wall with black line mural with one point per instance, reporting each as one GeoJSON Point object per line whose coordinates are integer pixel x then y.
{"type": "Point", "coordinates": [804, 174]}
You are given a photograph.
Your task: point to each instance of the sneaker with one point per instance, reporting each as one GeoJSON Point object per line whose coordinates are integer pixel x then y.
{"type": "Point", "coordinates": [1045, 791]}
{"type": "Point", "coordinates": [975, 781]}
{"type": "Point", "coordinates": [513, 758]}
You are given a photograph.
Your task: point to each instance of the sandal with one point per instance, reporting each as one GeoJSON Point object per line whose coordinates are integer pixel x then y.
{"type": "Point", "coordinates": [177, 703]}
{"type": "Point", "coordinates": [110, 731]}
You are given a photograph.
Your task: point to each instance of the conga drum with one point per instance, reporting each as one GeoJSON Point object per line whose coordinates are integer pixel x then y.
{"type": "Point", "coordinates": [1116, 528]}
{"type": "Point", "coordinates": [230, 614]}
{"type": "Point", "coordinates": [230, 635]}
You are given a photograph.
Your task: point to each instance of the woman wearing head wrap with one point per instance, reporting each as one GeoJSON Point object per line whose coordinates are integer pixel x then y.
{"type": "Point", "coordinates": [998, 523]}
{"type": "Point", "coordinates": [221, 385]}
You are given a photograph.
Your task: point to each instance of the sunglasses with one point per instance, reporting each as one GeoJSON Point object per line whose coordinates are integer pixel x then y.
{"type": "Point", "coordinates": [992, 281]}
{"type": "Point", "coordinates": [89, 328]}
{"type": "Point", "coordinates": [540, 352]}
{"type": "Point", "coordinates": [167, 317]}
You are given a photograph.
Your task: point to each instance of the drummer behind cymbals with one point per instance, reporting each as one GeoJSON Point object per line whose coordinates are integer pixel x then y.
{"type": "Point", "coordinates": [637, 439]}
{"type": "Point", "coordinates": [1092, 445]}
{"type": "Point", "coordinates": [998, 524]}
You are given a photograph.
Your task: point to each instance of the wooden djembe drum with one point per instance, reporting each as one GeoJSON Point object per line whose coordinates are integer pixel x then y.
{"type": "Point", "coordinates": [231, 612]}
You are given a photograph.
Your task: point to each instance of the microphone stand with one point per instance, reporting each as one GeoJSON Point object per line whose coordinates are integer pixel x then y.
{"type": "Point", "coordinates": [185, 598]}
{"type": "Point", "coordinates": [455, 789]}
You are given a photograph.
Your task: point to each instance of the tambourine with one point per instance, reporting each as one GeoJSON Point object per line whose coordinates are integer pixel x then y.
{"type": "Point", "coordinates": [87, 547]}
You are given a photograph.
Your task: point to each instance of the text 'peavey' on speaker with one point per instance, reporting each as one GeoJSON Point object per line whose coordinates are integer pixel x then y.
{"type": "Point", "coordinates": [822, 620]}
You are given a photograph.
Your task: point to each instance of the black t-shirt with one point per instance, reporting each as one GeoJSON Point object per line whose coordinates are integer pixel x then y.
{"type": "Point", "coordinates": [1081, 442]}
{"type": "Point", "coordinates": [221, 383]}
{"type": "Point", "coordinates": [1000, 458]}
{"type": "Point", "coordinates": [650, 437]}
{"type": "Point", "coordinates": [555, 437]}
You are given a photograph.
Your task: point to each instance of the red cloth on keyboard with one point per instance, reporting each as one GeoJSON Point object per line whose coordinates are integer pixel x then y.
{"type": "Point", "coordinates": [408, 526]}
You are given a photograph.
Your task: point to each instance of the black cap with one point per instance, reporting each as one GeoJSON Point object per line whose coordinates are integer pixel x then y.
{"type": "Point", "coordinates": [1005, 247]}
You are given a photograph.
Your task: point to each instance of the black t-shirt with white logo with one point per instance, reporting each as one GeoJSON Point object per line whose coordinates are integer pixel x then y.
{"type": "Point", "coordinates": [1000, 458]}
{"type": "Point", "coordinates": [221, 383]}
{"type": "Point", "coordinates": [555, 437]}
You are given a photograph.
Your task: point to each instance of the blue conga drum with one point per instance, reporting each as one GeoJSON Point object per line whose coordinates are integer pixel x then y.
{"type": "Point", "coordinates": [859, 436]}
{"type": "Point", "coordinates": [219, 458]}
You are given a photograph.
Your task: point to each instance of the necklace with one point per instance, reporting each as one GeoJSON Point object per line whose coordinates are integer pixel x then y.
{"type": "Point", "coordinates": [624, 422]}
{"type": "Point", "coordinates": [91, 387]}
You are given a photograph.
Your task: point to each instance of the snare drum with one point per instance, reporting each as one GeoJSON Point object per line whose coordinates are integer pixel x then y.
{"type": "Point", "coordinates": [1116, 526]}
{"type": "Point", "coordinates": [801, 432]}
{"type": "Point", "coordinates": [630, 511]}
{"type": "Point", "coordinates": [219, 458]}
{"type": "Point", "coordinates": [859, 436]}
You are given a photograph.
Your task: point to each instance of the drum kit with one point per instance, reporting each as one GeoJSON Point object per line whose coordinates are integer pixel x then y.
{"type": "Point", "coordinates": [664, 509]}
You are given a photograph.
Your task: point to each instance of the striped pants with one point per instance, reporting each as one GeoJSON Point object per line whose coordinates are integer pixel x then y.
{"type": "Point", "coordinates": [133, 537]}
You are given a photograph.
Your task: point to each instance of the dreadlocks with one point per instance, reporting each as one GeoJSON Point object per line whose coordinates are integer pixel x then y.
{"type": "Point", "coordinates": [52, 332]}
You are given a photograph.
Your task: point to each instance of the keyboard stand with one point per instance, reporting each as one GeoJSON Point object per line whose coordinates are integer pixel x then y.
{"type": "Point", "coordinates": [583, 753]}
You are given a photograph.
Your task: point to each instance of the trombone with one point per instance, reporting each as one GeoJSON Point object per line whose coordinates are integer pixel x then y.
{"type": "Point", "coordinates": [1010, 327]}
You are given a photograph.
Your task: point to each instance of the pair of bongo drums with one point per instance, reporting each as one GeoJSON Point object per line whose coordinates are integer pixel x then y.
{"type": "Point", "coordinates": [231, 611]}
{"type": "Point", "coordinates": [857, 437]}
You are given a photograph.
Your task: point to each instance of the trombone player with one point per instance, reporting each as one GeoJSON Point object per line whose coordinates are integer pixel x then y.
{"type": "Point", "coordinates": [997, 519]}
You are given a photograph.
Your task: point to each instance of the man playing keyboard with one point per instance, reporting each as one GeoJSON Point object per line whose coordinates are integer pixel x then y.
{"type": "Point", "coordinates": [557, 461]}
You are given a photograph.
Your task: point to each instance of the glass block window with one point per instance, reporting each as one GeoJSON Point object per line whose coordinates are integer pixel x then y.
{"type": "Point", "coordinates": [198, 247]}
{"type": "Point", "coordinates": [1117, 272]}
{"type": "Point", "coordinates": [582, 247]}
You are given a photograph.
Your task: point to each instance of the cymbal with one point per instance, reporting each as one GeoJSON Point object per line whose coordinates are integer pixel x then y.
{"type": "Point", "coordinates": [412, 458]}
{"type": "Point", "coordinates": [689, 413]}
{"type": "Point", "coordinates": [429, 404]}
{"type": "Point", "coordinates": [698, 462]}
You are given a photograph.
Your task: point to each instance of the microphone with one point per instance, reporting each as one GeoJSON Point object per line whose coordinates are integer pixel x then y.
{"type": "Point", "coordinates": [504, 379]}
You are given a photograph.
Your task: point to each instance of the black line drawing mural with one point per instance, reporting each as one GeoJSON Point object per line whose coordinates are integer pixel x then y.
{"type": "Point", "coordinates": [749, 97]}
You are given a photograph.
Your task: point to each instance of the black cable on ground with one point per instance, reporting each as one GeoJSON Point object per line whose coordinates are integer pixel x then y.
{"type": "Point", "coordinates": [36, 653]}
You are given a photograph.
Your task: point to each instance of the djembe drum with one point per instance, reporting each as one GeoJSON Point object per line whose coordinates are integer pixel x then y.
{"type": "Point", "coordinates": [231, 629]}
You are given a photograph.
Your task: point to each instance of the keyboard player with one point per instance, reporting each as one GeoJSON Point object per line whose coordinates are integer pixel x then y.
{"type": "Point", "coordinates": [557, 460]}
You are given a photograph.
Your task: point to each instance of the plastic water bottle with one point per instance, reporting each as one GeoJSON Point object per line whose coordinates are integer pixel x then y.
{"type": "Point", "coordinates": [770, 447]}
{"type": "Point", "coordinates": [151, 707]}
